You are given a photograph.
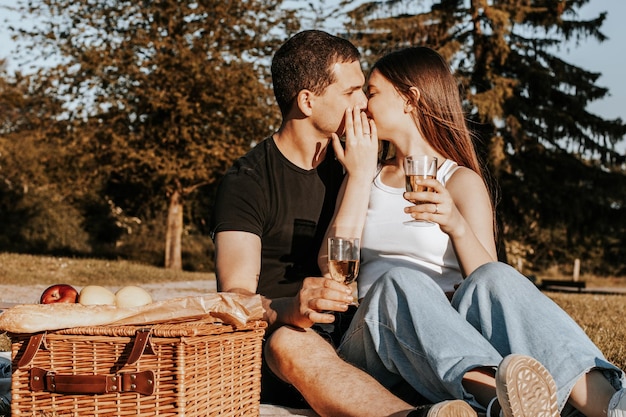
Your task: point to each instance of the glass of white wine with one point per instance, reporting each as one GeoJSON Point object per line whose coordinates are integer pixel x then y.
{"type": "Point", "coordinates": [418, 167]}
{"type": "Point", "coordinates": [343, 259]}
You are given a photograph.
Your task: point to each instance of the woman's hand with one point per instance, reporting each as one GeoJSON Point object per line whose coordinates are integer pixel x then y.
{"type": "Point", "coordinates": [435, 205]}
{"type": "Point", "coordinates": [463, 210]}
{"type": "Point", "coordinates": [360, 156]}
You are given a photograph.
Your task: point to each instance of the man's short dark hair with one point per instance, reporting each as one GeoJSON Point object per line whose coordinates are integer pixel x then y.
{"type": "Point", "coordinates": [305, 61]}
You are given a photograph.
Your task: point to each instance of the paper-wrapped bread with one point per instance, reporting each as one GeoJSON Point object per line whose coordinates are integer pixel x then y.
{"type": "Point", "coordinates": [230, 308]}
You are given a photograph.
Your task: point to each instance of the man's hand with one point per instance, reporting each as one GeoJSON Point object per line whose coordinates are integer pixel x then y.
{"type": "Point", "coordinates": [317, 297]}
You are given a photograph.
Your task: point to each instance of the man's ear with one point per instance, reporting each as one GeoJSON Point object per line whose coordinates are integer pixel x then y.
{"type": "Point", "coordinates": [413, 99]}
{"type": "Point", "coordinates": [304, 101]}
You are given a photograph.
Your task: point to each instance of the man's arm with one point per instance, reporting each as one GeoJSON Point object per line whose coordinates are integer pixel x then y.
{"type": "Point", "coordinates": [237, 262]}
{"type": "Point", "coordinates": [237, 267]}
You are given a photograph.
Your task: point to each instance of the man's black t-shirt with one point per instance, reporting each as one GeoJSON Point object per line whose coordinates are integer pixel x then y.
{"type": "Point", "coordinates": [288, 207]}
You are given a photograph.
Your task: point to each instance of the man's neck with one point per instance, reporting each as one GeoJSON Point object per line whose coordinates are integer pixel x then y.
{"type": "Point", "coordinates": [301, 146]}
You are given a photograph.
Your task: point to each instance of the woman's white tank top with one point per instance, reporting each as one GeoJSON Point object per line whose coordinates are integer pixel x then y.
{"type": "Point", "coordinates": [387, 242]}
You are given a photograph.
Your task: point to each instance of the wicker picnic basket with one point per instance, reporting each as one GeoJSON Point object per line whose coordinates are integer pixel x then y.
{"type": "Point", "coordinates": [189, 368]}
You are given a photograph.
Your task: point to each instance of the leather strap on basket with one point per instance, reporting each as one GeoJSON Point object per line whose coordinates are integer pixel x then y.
{"type": "Point", "coordinates": [140, 382]}
{"type": "Point", "coordinates": [142, 340]}
{"type": "Point", "coordinates": [31, 349]}
{"type": "Point", "coordinates": [141, 343]}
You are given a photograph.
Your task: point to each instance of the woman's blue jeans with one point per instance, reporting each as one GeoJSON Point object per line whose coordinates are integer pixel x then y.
{"type": "Point", "coordinates": [406, 329]}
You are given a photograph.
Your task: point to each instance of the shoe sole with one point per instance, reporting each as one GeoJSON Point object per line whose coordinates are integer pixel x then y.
{"type": "Point", "coordinates": [452, 408]}
{"type": "Point", "coordinates": [525, 388]}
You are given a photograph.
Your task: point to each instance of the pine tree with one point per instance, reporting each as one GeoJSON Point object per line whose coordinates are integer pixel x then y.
{"type": "Point", "coordinates": [563, 185]}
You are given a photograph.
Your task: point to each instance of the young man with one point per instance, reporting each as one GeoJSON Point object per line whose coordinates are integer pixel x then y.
{"type": "Point", "coordinates": [272, 210]}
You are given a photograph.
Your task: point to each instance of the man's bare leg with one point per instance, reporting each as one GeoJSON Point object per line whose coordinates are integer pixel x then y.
{"type": "Point", "coordinates": [331, 386]}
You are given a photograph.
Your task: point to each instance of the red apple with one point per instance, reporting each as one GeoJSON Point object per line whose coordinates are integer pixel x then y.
{"type": "Point", "coordinates": [59, 293]}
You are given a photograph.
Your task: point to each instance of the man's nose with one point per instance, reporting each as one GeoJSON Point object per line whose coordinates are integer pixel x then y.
{"type": "Point", "coordinates": [362, 101]}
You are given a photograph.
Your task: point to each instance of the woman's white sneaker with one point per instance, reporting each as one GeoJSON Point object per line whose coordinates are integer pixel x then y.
{"type": "Point", "coordinates": [525, 388]}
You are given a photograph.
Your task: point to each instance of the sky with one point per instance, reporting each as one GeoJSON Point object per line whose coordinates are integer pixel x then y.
{"type": "Point", "coordinates": [607, 58]}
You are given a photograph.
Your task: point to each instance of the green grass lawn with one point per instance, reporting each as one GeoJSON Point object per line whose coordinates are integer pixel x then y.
{"type": "Point", "coordinates": [601, 316]}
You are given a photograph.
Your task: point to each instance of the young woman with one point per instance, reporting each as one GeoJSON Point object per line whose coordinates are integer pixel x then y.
{"type": "Point", "coordinates": [437, 311]}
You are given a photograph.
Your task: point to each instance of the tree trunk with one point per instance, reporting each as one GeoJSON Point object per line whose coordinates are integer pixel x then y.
{"type": "Point", "coordinates": [174, 233]}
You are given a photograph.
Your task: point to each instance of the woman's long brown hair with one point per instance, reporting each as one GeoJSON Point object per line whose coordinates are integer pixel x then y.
{"type": "Point", "coordinates": [438, 111]}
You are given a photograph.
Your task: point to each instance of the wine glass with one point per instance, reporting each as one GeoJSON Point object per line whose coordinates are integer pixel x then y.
{"type": "Point", "coordinates": [343, 259]}
{"type": "Point", "coordinates": [418, 167]}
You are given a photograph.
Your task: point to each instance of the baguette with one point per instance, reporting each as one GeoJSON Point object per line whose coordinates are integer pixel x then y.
{"type": "Point", "coordinates": [230, 308]}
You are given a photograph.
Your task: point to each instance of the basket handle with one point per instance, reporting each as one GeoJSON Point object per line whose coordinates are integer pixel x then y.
{"type": "Point", "coordinates": [31, 349]}
{"type": "Point", "coordinates": [43, 380]}
{"type": "Point", "coordinates": [141, 343]}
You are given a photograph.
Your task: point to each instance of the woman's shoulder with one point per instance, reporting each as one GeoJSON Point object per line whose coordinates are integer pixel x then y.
{"type": "Point", "coordinates": [465, 180]}
{"type": "Point", "coordinates": [461, 173]}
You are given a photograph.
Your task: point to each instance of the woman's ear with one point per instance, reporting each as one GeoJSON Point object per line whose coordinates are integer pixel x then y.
{"type": "Point", "coordinates": [304, 101]}
{"type": "Point", "coordinates": [412, 100]}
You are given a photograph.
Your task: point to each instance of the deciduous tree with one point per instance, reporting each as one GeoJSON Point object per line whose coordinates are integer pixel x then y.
{"type": "Point", "coordinates": [160, 95]}
{"type": "Point", "coordinates": [37, 202]}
